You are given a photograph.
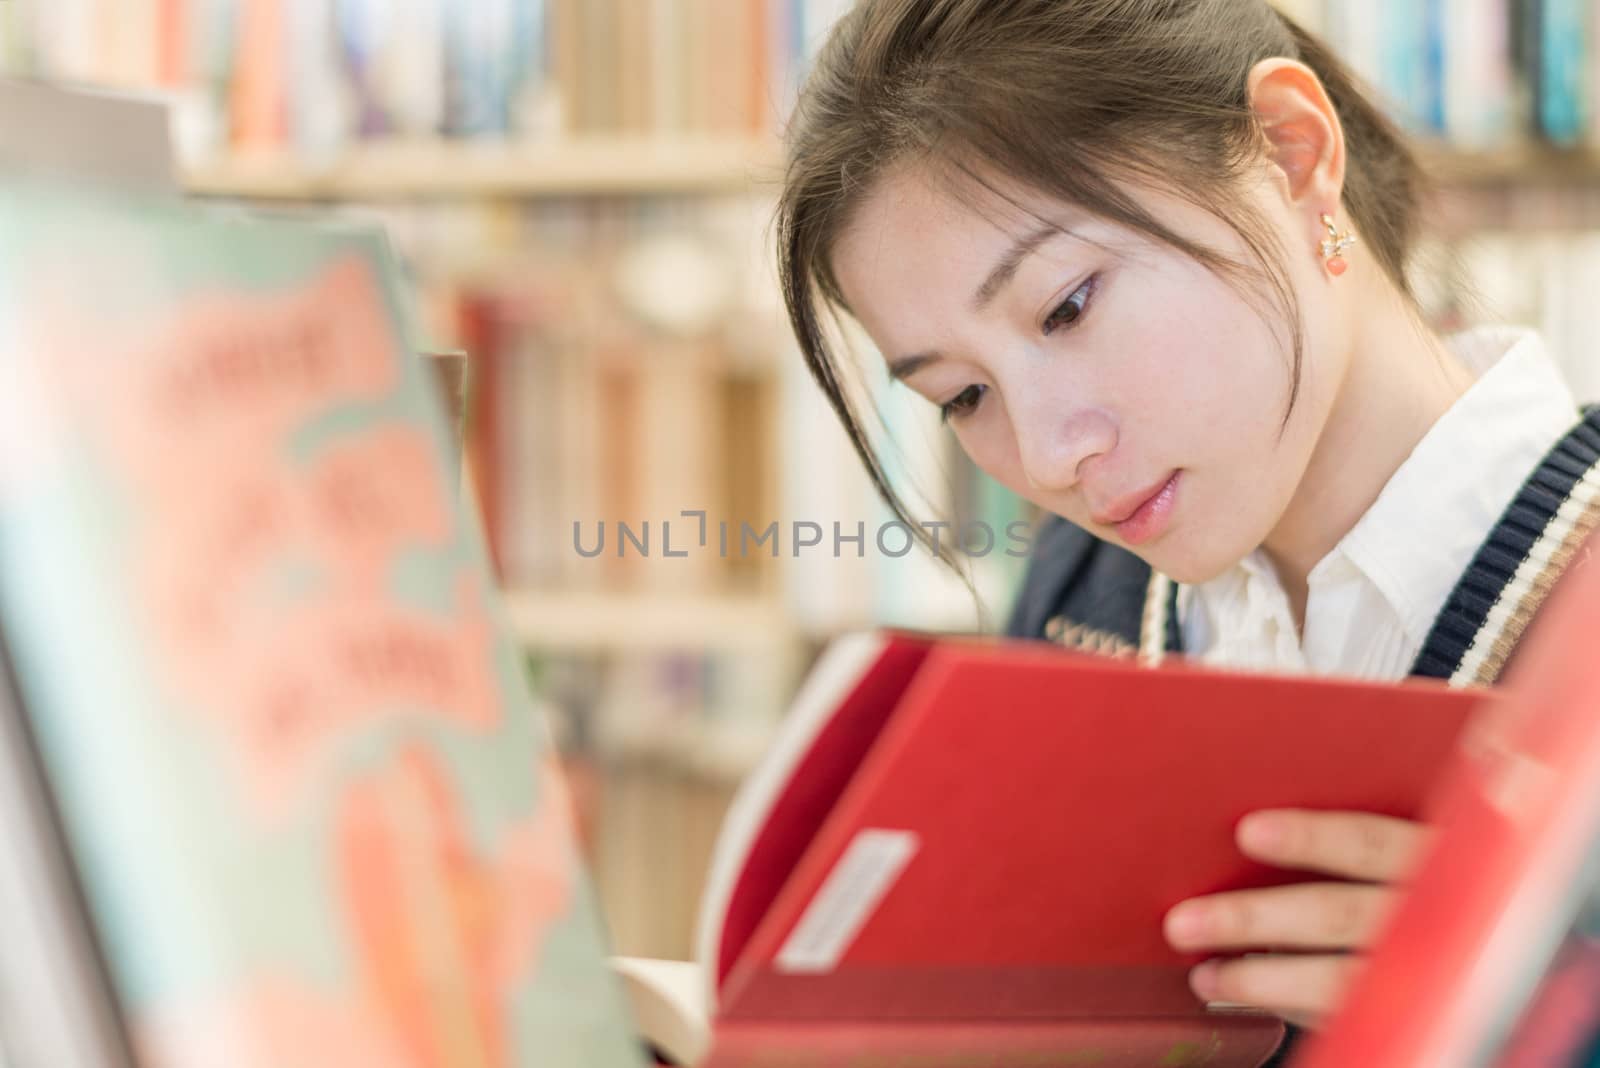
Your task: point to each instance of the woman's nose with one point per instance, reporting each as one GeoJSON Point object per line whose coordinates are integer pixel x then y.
{"type": "Point", "coordinates": [1056, 446]}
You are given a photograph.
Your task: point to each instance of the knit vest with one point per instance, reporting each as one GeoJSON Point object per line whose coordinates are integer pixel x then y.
{"type": "Point", "coordinates": [1090, 595]}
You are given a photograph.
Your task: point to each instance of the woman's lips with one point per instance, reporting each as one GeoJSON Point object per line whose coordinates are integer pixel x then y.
{"type": "Point", "coordinates": [1150, 519]}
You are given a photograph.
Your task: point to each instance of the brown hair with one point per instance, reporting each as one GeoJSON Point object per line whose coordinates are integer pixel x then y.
{"type": "Point", "coordinates": [1077, 99]}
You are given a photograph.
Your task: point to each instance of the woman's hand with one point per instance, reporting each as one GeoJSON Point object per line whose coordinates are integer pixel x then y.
{"type": "Point", "coordinates": [1301, 987]}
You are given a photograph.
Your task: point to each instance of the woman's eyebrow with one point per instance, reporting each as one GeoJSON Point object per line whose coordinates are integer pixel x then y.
{"type": "Point", "coordinates": [1006, 269]}
{"type": "Point", "coordinates": [905, 366]}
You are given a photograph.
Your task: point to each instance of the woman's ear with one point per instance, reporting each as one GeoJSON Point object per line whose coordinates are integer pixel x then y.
{"type": "Point", "coordinates": [1304, 139]}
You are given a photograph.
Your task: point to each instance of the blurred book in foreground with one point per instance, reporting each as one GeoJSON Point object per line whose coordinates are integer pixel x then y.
{"type": "Point", "coordinates": [275, 793]}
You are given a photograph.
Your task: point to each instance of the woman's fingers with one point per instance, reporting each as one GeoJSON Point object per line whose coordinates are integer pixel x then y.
{"type": "Point", "coordinates": [1304, 916]}
{"type": "Point", "coordinates": [1302, 989]}
{"type": "Point", "coordinates": [1351, 845]}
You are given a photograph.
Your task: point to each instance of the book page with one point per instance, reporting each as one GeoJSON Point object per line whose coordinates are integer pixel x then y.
{"type": "Point", "coordinates": [839, 667]}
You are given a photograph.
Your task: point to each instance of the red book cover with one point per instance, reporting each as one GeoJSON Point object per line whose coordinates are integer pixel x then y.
{"type": "Point", "coordinates": [1487, 960]}
{"type": "Point", "coordinates": [972, 846]}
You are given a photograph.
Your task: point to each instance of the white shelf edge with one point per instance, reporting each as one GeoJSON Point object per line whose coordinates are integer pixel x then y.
{"type": "Point", "coordinates": [647, 621]}
{"type": "Point", "coordinates": [574, 167]}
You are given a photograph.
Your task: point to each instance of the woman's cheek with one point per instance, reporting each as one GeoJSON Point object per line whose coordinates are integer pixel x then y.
{"type": "Point", "coordinates": [993, 450]}
{"type": "Point", "coordinates": [988, 449]}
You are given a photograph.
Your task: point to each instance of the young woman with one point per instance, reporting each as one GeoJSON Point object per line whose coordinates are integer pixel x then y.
{"type": "Point", "coordinates": [1148, 258]}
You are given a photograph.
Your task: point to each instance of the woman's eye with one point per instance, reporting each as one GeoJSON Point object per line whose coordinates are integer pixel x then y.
{"type": "Point", "coordinates": [1069, 311]}
{"type": "Point", "coordinates": [963, 403]}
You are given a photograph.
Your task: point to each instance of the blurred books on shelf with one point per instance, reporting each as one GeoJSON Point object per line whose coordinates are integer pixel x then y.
{"type": "Point", "coordinates": [311, 78]}
{"type": "Point", "coordinates": [357, 98]}
{"type": "Point", "coordinates": [579, 166]}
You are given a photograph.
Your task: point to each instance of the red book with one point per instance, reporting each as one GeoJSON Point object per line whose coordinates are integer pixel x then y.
{"type": "Point", "coordinates": [968, 848]}
{"type": "Point", "coordinates": [1494, 955]}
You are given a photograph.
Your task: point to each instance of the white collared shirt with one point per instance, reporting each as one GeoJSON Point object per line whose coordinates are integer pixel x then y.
{"type": "Point", "coordinates": [1373, 599]}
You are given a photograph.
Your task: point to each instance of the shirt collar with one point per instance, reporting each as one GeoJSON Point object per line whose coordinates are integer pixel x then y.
{"type": "Point", "coordinates": [1417, 539]}
{"type": "Point", "coordinates": [1424, 529]}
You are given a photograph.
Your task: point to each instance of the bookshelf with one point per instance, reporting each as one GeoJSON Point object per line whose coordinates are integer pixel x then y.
{"type": "Point", "coordinates": [579, 166]}
{"type": "Point", "coordinates": [706, 166]}
{"type": "Point", "coordinates": [560, 621]}
{"type": "Point", "coordinates": [1525, 166]}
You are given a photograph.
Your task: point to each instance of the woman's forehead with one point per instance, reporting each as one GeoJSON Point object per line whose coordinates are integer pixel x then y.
{"type": "Point", "coordinates": [913, 224]}
{"type": "Point", "coordinates": [964, 199]}
{"type": "Point", "coordinates": [964, 210]}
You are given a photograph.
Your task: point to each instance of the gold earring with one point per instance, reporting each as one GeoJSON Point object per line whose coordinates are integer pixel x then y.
{"type": "Point", "coordinates": [1334, 245]}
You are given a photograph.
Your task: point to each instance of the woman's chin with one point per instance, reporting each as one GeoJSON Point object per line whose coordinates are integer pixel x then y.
{"type": "Point", "coordinates": [1190, 569]}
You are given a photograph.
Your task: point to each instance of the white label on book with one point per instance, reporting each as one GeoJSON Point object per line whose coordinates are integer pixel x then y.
{"type": "Point", "coordinates": [863, 875]}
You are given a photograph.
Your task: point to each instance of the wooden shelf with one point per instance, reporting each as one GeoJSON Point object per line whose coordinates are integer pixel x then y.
{"type": "Point", "coordinates": [1529, 165]}
{"type": "Point", "coordinates": [597, 621]}
{"type": "Point", "coordinates": [438, 169]}
{"type": "Point", "coordinates": [661, 166]}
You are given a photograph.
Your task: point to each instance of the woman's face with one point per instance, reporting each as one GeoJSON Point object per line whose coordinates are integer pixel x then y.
{"type": "Point", "coordinates": [1094, 371]}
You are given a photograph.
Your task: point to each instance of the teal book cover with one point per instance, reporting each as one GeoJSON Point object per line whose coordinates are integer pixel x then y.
{"type": "Point", "coordinates": [316, 817]}
{"type": "Point", "coordinates": [1562, 89]}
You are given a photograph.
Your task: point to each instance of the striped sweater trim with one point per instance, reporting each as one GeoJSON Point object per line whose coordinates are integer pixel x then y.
{"type": "Point", "coordinates": [1159, 632]}
{"type": "Point", "coordinates": [1518, 564]}
{"type": "Point", "coordinates": [1152, 623]}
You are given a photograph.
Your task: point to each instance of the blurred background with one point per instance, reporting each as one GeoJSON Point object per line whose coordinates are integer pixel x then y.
{"type": "Point", "coordinates": [581, 193]}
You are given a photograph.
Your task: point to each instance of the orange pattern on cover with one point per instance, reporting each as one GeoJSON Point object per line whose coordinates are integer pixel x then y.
{"type": "Point", "coordinates": [424, 907]}
{"type": "Point", "coordinates": [211, 399]}
{"type": "Point", "coordinates": [363, 500]}
{"type": "Point", "coordinates": [444, 936]}
{"type": "Point", "coordinates": [370, 497]}
{"type": "Point", "coordinates": [290, 689]}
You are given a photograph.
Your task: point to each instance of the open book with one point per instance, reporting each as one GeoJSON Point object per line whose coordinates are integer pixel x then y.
{"type": "Point", "coordinates": [966, 849]}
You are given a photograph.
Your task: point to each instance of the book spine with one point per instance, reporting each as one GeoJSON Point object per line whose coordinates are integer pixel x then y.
{"type": "Point", "coordinates": [533, 95]}
{"type": "Point", "coordinates": [1526, 45]}
{"type": "Point", "coordinates": [1433, 17]}
{"type": "Point", "coordinates": [172, 25]}
{"type": "Point", "coordinates": [758, 68]}
{"type": "Point", "coordinates": [1562, 94]}
{"type": "Point", "coordinates": [601, 80]}
{"type": "Point", "coordinates": [560, 60]}
{"type": "Point", "coordinates": [699, 57]}
{"type": "Point", "coordinates": [1217, 1042]}
{"type": "Point", "coordinates": [260, 119]}
{"type": "Point", "coordinates": [319, 123]}
{"type": "Point", "coordinates": [414, 85]}
{"type": "Point", "coordinates": [664, 67]}
{"type": "Point", "coordinates": [463, 78]}
{"type": "Point", "coordinates": [632, 44]}
{"type": "Point", "coordinates": [1402, 68]}
{"type": "Point", "coordinates": [1478, 82]}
